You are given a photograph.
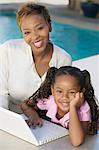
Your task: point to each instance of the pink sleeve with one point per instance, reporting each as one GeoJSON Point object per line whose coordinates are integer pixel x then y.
{"type": "Point", "coordinates": [84, 112]}
{"type": "Point", "coordinates": [43, 104]}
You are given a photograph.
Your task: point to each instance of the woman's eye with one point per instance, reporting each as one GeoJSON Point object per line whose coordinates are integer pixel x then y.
{"type": "Point", "coordinates": [40, 28]}
{"type": "Point", "coordinates": [26, 33]}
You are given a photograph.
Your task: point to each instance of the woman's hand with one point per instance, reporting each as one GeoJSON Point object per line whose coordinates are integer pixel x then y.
{"type": "Point", "coordinates": [77, 100]}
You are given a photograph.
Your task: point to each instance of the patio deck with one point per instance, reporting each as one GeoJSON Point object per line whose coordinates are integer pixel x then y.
{"type": "Point", "coordinates": [59, 13]}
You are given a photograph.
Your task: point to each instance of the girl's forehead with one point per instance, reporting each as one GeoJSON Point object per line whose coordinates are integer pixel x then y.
{"type": "Point", "coordinates": [66, 82]}
{"type": "Point", "coordinates": [66, 77]}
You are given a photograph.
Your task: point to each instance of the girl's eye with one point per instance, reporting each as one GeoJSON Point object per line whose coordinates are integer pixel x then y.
{"type": "Point", "coordinates": [58, 91]}
{"type": "Point", "coordinates": [72, 92]}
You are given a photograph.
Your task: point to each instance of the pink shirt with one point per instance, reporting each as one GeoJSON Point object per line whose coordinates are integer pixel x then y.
{"type": "Point", "coordinates": [51, 107]}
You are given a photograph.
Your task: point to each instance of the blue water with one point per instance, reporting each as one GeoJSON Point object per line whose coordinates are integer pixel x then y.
{"type": "Point", "coordinates": [78, 42]}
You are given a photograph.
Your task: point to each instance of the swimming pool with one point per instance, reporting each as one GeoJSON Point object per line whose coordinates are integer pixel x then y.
{"type": "Point", "coordinates": [80, 43]}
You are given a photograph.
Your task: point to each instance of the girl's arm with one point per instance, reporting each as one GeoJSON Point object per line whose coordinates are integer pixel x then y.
{"type": "Point", "coordinates": [31, 113]}
{"type": "Point", "coordinates": [76, 128]}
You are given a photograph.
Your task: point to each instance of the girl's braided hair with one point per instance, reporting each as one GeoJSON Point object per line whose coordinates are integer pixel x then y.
{"type": "Point", "coordinates": [83, 79]}
{"type": "Point", "coordinates": [91, 99]}
{"type": "Point", "coordinates": [45, 89]}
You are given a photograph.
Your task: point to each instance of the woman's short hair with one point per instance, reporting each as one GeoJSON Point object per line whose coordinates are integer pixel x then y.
{"type": "Point", "coordinates": [32, 9]}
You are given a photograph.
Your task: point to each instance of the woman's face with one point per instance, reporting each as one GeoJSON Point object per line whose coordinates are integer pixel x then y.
{"type": "Point", "coordinates": [35, 31]}
{"type": "Point", "coordinates": [65, 86]}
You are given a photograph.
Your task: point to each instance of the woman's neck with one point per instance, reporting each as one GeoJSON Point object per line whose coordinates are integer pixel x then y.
{"type": "Point", "coordinates": [45, 55]}
{"type": "Point", "coordinates": [42, 61]}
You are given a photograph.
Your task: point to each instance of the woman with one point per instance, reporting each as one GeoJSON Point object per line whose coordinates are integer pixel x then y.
{"type": "Point", "coordinates": [24, 62]}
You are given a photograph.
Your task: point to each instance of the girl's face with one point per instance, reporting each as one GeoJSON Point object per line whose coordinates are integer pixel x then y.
{"type": "Point", "coordinates": [35, 31]}
{"type": "Point", "coordinates": [64, 87]}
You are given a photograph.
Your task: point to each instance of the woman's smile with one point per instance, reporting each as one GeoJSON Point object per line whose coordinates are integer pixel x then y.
{"type": "Point", "coordinates": [38, 44]}
{"type": "Point", "coordinates": [36, 32]}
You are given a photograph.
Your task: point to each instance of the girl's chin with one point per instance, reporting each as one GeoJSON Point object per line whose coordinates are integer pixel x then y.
{"type": "Point", "coordinates": [65, 110]}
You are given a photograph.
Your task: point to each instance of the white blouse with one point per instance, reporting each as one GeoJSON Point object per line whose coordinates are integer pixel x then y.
{"type": "Point", "coordinates": [18, 76]}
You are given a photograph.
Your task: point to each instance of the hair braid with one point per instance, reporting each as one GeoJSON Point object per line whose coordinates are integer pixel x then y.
{"type": "Point", "coordinates": [45, 89]}
{"type": "Point", "coordinates": [90, 98]}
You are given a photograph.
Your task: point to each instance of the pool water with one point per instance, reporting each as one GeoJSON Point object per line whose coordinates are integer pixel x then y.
{"type": "Point", "coordinates": [78, 42]}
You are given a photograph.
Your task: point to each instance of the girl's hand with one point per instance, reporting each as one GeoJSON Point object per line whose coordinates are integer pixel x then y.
{"type": "Point", "coordinates": [34, 119]}
{"type": "Point", "coordinates": [77, 100]}
{"type": "Point", "coordinates": [30, 102]}
{"type": "Point", "coordinates": [30, 112]}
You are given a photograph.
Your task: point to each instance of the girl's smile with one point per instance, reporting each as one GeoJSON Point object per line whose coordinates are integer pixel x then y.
{"type": "Point", "coordinates": [64, 89]}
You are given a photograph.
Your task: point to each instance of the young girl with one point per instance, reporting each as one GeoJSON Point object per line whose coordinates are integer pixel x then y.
{"type": "Point", "coordinates": [67, 98]}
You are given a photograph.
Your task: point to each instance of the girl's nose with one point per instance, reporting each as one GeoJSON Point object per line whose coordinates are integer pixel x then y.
{"type": "Point", "coordinates": [65, 97]}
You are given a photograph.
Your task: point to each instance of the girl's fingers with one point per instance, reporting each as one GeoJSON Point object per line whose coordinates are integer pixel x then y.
{"type": "Point", "coordinates": [82, 97]}
{"type": "Point", "coordinates": [30, 102]}
{"type": "Point", "coordinates": [40, 123]}
{"type": "Point", "coordinates": [77, 100]}
{"type": "Point", "coordinates": [71, 97]}
{"type": "Point", "coordinates": [26, 101]}
{"type": "Point", "coordinates": [34, 123]}
{"type": "Point", "coordinates": [29, 123]}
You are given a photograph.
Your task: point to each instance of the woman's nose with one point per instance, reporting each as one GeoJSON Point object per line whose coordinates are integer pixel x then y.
{"type": "Point", "coordinates": [34, 35]}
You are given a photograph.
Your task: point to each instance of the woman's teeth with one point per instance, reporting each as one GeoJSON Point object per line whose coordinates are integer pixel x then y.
{"type": "Point", "coordinates": [38, 44]}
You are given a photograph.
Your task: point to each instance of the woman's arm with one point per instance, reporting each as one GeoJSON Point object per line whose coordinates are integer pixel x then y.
{"type": "Point", "coordinates": [4, 76]}
{"type": "Point", "coordinates": [4, 101]}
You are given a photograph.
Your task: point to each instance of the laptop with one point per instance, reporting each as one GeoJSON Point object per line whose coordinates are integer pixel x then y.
{"type": "Point", "coordinates": [16, 125]}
